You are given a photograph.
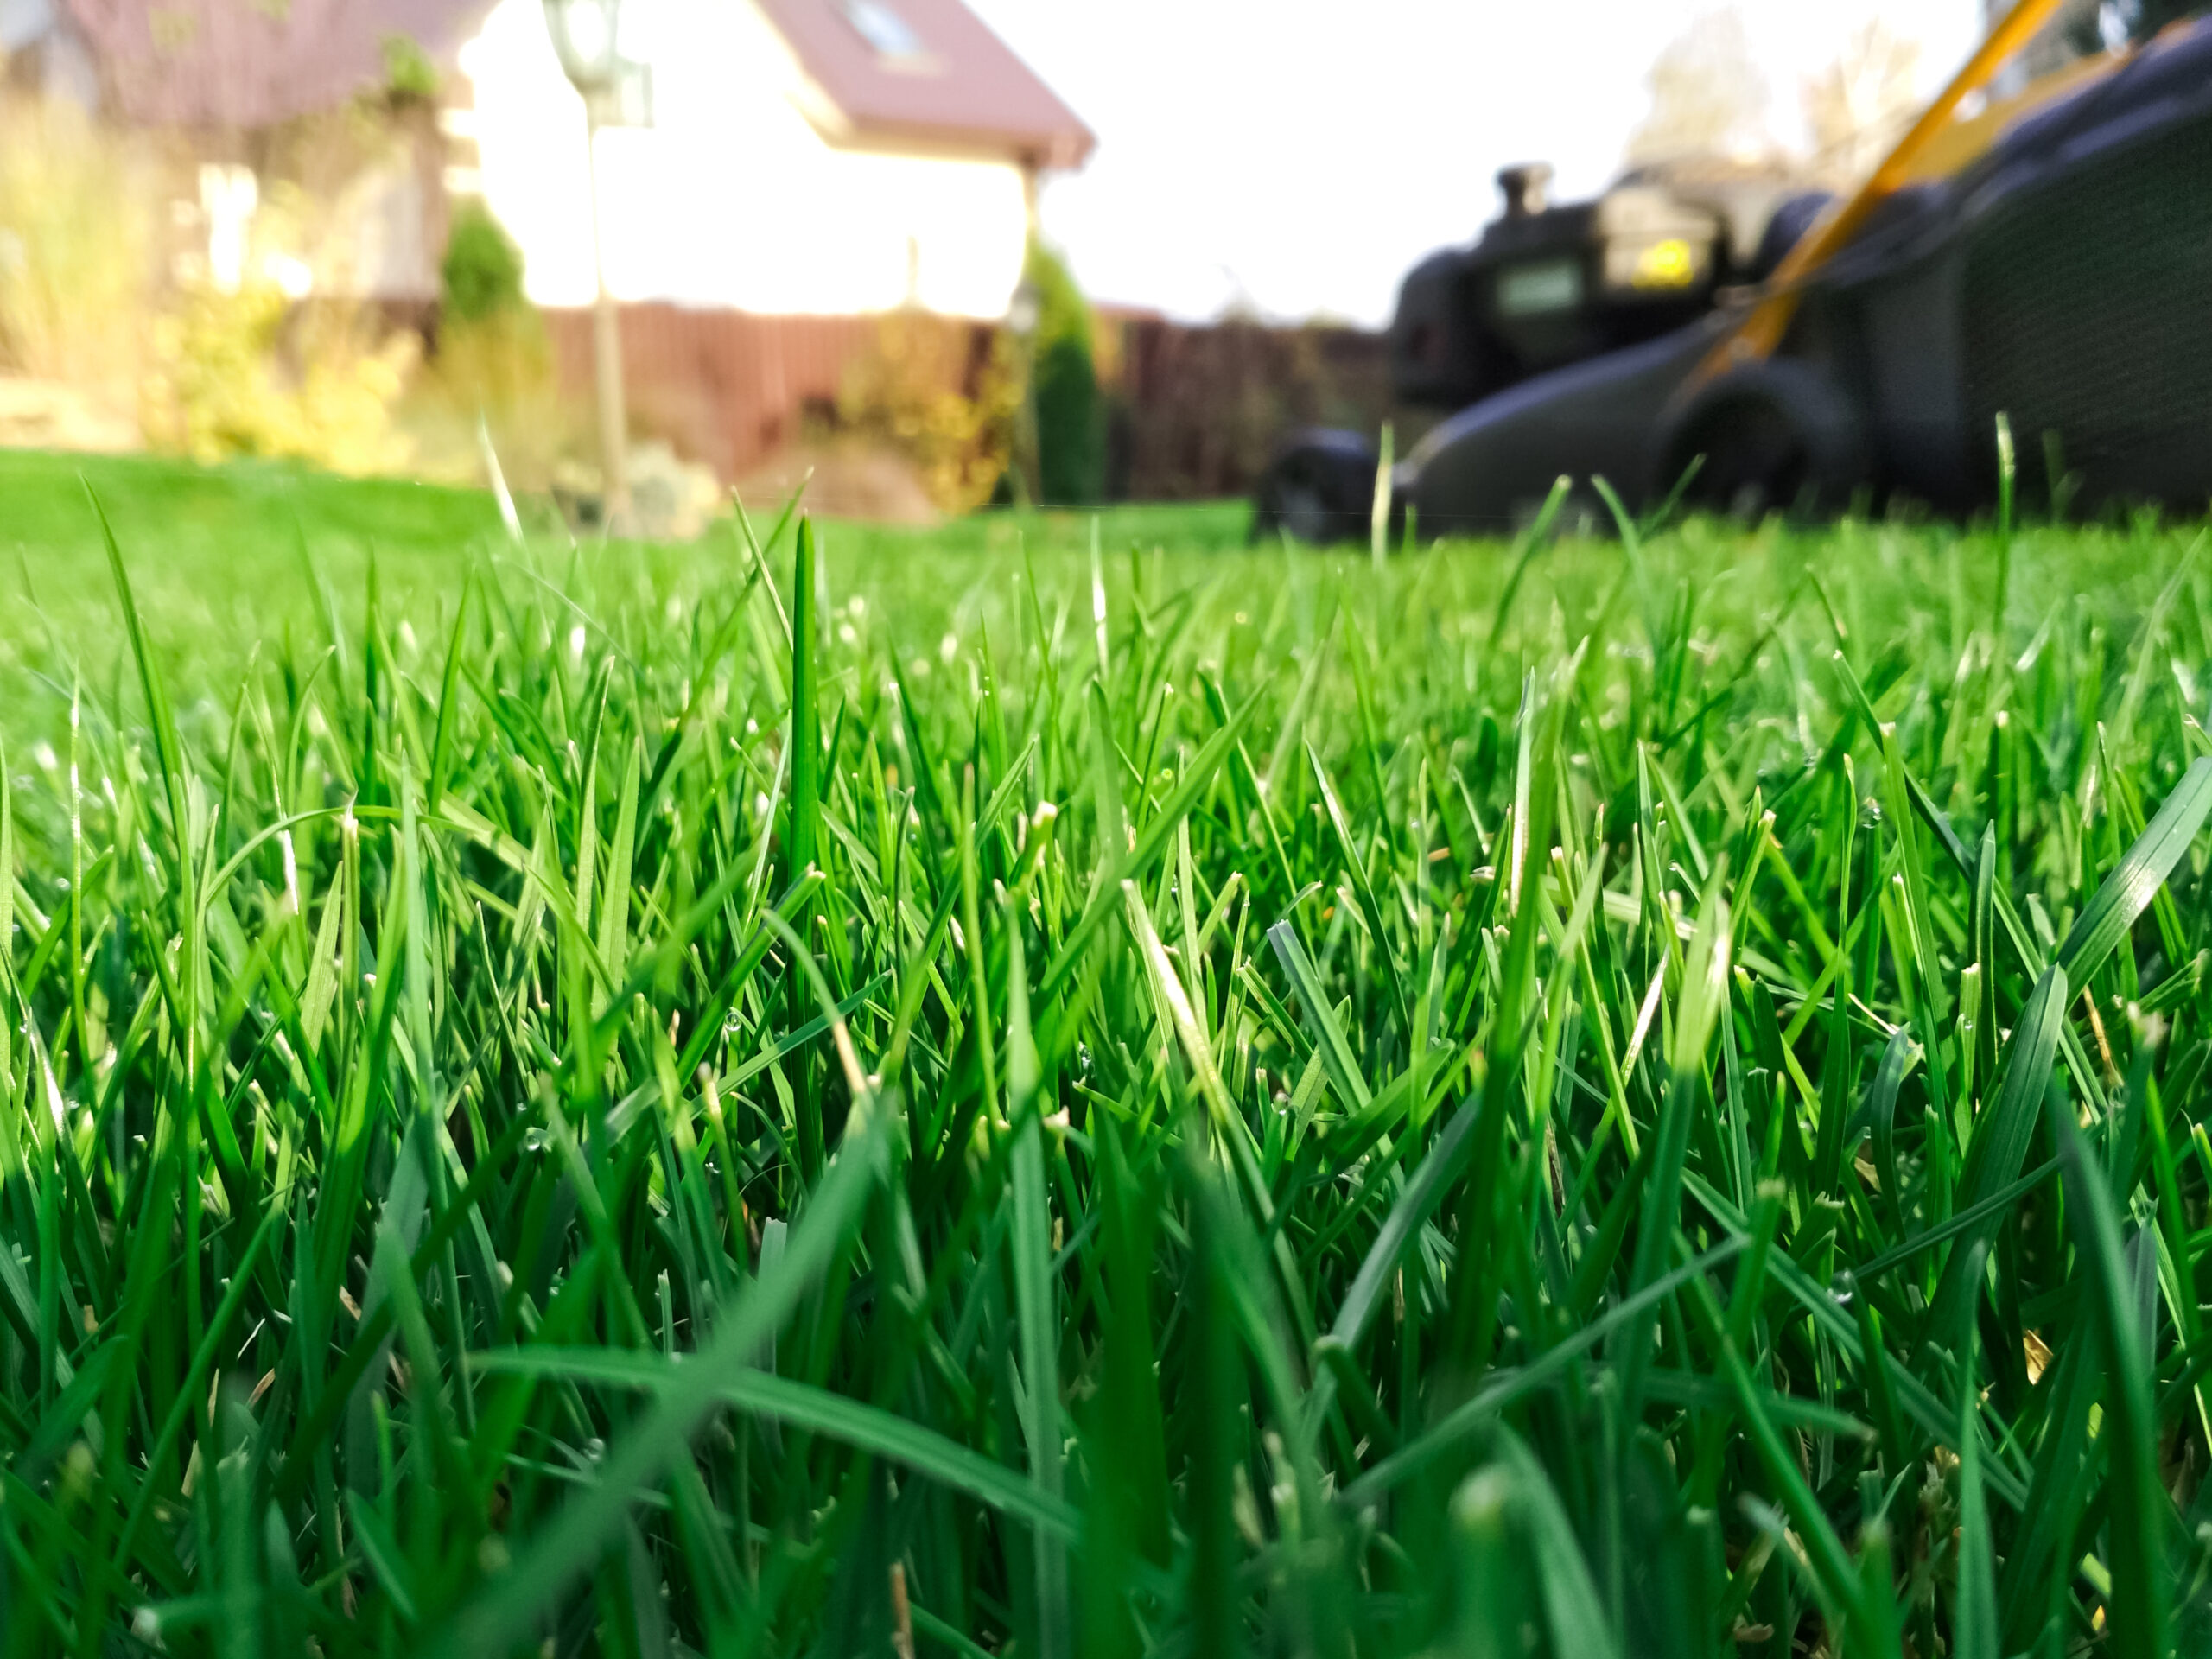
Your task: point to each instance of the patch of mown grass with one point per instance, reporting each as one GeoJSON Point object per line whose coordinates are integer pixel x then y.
{"type": "Point", "coordinates": [209, 514]}
{"type": "Point", "coordinates": [986, 1099]}
{"type": "Point", "coordinates": [242, 512]}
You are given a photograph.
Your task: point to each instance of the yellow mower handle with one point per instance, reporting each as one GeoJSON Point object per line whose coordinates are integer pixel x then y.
{"type": "Point", "coordinates": [1761, 329]}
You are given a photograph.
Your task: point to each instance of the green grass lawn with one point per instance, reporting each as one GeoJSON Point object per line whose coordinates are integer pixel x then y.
{"type": "Point", "coordinates": [940, 1092]}
{"type": "Point", "coordinates": [224, 545]}
{"type": "Point", "coordinates": [249, 517]}
{"type": "Point", "coordinates": [239, 511]}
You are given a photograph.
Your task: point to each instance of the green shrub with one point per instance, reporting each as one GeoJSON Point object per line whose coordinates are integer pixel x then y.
{"type": "Point", "coordinates": [480, 276]}
{"type": "Point", "coordinates": [410, 77]}
{"type": "Point", "coordinates": [493, 362]}
{"type": "Point", "coordinates": [1071, 420]}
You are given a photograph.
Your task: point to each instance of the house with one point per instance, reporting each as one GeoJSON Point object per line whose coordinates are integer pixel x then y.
{"type": "Point", "coordinates": [332, 97]}
{"type": "Point", "coordinates": [774, 159]}
{"type": "Point", "coordinates": [820, 156]}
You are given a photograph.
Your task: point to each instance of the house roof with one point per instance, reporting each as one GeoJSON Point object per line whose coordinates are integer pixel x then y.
{"type": "Point", "coordinates": [929, 70]}
{"type": "Point", "coordinates": [237, 65]}
{"type": "Point", "coordinates": [888, 72]}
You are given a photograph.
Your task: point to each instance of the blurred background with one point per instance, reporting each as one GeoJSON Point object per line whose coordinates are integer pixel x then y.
{"type": "Point", "coordinates": [938, 253]}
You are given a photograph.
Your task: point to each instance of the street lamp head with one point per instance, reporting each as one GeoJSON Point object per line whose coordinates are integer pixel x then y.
{"type": "Point", "coordinates": [584, 35]}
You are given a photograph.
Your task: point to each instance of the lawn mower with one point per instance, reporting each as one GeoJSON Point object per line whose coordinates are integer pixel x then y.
{"type": "Point", "coordinates": [2040, 265]}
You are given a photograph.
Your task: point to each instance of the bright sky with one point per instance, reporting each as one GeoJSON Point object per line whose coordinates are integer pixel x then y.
{"type": "Point", "coordinates": [1300, 157]}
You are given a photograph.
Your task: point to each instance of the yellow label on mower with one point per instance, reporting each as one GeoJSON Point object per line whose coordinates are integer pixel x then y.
{"type": "Point", "coordinates": [1665, 264]}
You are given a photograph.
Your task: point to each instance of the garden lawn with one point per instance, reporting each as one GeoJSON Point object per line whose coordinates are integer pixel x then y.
{"type": "Point", "coordinates": [890, 1092]}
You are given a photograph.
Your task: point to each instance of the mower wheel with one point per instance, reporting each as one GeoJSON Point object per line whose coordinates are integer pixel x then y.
{"type": "Point", "coordinates": [1778, 436]}
{"type": "Point", "coordinates": [1319, 488]}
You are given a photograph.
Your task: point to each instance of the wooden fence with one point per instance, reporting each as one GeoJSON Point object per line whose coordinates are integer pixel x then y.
{"type": "Point", "coordinates": [728, 389]}
{"type": "Point", "coordinates": [1193, 411]}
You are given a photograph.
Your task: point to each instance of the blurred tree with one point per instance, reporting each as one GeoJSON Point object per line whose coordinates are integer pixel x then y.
{"type": "Point", "coordinates": [1859, 106]}
{"type": "Point", "coordinates": [1070, 419]}
{"type": "Point", "coordinates": [1708, 96]}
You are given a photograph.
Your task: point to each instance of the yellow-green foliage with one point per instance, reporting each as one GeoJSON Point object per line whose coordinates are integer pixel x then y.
{"type": "Point", "coordinates": [917, 392]}
{"type": "Point", "coordinates": [244, 373]}
{"type": "Point", "coordinates": [500, 367]}
{"type": "Point", "coordinates": [73, 239]}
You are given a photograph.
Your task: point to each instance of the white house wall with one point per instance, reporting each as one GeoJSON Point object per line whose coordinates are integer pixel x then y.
{"type": "Point", "coordinates": [731, 197]}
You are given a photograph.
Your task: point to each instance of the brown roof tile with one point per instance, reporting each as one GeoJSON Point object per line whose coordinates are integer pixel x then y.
{"type": "Point", "coordinates": [237, 65]}
{"type": "Point", "coordinates": [963, 85]}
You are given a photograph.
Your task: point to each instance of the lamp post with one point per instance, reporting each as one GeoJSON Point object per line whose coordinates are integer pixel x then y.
{"type": "Point", "coordinates": [584, 37]}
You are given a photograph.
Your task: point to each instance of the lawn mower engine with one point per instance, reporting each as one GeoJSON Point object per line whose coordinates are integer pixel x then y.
{"type": "Point", "coordinates": [1546, 286]}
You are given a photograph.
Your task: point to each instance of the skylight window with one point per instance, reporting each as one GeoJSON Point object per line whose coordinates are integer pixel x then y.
{"type": "Point", "coordinates": [883, 29]}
